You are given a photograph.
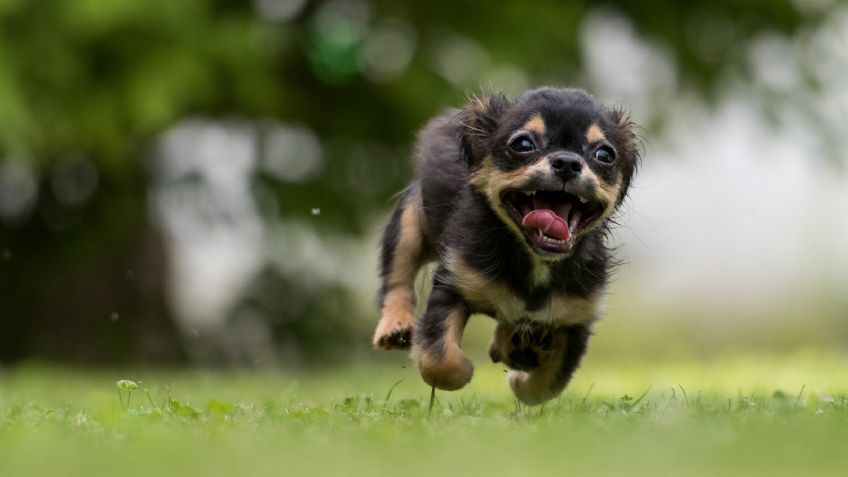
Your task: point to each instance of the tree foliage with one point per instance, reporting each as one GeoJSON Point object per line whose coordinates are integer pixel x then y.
{"type": "Point", "coordinates": [101, 79]}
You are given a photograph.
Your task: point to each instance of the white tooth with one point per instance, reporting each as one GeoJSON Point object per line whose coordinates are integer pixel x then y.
{"type": "Point", "coordinates": [583, 200]}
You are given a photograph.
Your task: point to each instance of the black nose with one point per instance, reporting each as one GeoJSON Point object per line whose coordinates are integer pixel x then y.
{"type": "Point", "coordinates": [566, 166]}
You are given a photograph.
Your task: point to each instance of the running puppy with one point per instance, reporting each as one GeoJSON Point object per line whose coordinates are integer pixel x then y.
{"type": "Point", "coordinates": [513, 200]}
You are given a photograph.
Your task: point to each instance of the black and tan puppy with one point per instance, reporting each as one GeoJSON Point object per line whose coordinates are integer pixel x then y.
{"type": "Point", "coordinates": [512, 199]}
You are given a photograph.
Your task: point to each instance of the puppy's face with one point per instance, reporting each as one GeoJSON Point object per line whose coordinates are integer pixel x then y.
{"type": "Point", "coordinates": [552, 165]}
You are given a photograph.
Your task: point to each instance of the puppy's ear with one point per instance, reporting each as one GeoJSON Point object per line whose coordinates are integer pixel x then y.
{"type": "Point", "coordinates": [624, 126]}
{"type": "Point", "coordinates": [478, 121]}
{"type": "Point", "coordinates": [623, 133]}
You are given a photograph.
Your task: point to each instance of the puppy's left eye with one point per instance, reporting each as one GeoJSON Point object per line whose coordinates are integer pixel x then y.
{"type": "Point", "coordinates": [522, 144]}
{"type": "Point", "coordinates": [605, 155]}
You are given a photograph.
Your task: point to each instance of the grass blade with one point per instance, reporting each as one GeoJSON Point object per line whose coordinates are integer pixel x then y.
{"type": "Point", "coordinates": [389, 394]}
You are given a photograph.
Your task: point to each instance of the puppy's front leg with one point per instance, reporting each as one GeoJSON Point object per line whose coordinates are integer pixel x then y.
{"type": "Point", "coordinates": [438, 336]}
{"type": "Point", "coordinates": [401, 257]}
{"type": "Point", "coordinates": [549, 379]}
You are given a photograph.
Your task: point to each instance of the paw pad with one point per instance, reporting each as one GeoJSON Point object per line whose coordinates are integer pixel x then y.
{"type": "Point", "coordinates": [396, 339]}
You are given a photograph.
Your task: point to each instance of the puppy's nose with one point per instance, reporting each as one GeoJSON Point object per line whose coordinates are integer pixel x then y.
{"type": "Point", "coordinates": [566, 166]}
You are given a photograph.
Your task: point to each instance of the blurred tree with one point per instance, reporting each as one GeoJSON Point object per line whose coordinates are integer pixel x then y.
{"type": "Point", "coordinates": [90, 83]}
{"type": "Point", "coordinates": [86, 85]}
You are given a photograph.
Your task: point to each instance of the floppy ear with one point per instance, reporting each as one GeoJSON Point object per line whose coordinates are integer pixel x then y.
{"type": "Point", "coordinates": [478, 121]}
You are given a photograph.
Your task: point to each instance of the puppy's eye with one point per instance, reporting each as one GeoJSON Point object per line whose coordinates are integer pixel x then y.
{"type": "Point", "coordinates": [605, 155]}
{"type": "Point", "coordinates": [522, 144]}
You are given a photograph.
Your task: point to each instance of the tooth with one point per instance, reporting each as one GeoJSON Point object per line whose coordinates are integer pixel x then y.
{"type": "Point", "coordinates": [575, 220]}
{"type": "Point", "coordinates": [583, 200]}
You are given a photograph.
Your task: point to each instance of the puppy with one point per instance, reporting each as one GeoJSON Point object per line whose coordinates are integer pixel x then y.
{"type": "Point", "coordinates": [513, 200]}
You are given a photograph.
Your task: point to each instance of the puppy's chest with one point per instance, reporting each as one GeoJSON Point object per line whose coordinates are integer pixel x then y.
{"type": "Point", "coordinates": [506, 306]}
{"type": "Point", "coordinates": [496, 299]}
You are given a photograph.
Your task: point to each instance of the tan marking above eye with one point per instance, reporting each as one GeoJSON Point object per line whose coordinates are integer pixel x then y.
{"type": "Point", "coordinates": [594, 134]}
{"type": "Point", "coordinates": [536, 125]}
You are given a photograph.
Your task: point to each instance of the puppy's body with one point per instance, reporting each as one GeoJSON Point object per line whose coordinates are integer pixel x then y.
{"type": "Point", "coordinates": [512, 201]}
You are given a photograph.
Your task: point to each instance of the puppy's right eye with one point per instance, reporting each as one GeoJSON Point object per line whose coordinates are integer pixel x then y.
{"type": "Point", "coordinates": [522, 144]}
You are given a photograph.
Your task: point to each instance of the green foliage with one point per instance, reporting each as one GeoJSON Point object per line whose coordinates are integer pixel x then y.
{"type": "Point", "coordinates": [103, 77]}
{"type": "Point", "coordinates": [99, 80]}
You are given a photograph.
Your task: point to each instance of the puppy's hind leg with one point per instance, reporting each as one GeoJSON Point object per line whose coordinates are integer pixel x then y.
{"type": "Point", "coordinates": [549, 379]}
{"type": "Point", "coordinates": [402, 255]}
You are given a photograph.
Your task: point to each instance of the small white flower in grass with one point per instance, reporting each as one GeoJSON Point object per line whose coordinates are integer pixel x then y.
{"type": "Point", "coordinates": [129, 387]}
{"type": "Point", "coordinates": [127, 384]}
{"type": "Point", "coordinates": [81, 418]}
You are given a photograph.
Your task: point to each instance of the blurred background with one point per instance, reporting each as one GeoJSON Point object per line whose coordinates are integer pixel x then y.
{"type": "Point", "coordinates": [205, 181]}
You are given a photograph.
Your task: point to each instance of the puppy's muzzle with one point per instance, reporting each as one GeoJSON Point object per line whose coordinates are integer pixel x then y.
{"type": "Point", "coordinates": [566, 166]}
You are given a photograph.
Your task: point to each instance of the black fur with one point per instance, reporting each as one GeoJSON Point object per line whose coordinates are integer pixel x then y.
{"type": "Point", "coordinates": [432, 327]}
{"type": "Point", "coordinates": [460, 218]}
{"type": "Point", "coordinates": [442, 166]}
{"type": "Point", "coordinates": [576, 341]}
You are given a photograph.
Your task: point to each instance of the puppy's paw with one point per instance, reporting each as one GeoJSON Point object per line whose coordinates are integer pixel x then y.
{"type": "Point", "coordinates": [523, 346]}
{"type": "Point", "coordinates": [449, 371]}
{"type": "Point", "coordinates": [528, 390]}
{"type": "Point", "coordinates": [394, 332]}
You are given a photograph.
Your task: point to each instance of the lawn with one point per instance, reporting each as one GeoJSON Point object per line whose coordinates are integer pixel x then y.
{"type": "Point", "coordinates": [730, 415]}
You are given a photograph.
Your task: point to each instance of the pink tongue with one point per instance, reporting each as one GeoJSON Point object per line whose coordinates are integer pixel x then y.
{"type": "Point", "coordinates": [548, 222]}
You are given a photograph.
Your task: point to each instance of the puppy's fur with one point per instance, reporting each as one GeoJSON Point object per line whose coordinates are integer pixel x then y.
{"type": "Point", "coordinates": [512, 199]}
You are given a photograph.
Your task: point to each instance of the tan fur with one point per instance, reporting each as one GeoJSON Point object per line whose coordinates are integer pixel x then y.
{"type": "Point", "coordinates": [396, 316]}
{"type": "Point", "coordinates": [491, 182]}
{"type": "Point", "coordinates": [498, 300]}
{"type": "Point", "coordinates": [501, 341]}
{"type": "Point", "coordinates": [594, 134]}
{"type": "Point", "coordinates": [535, 387]}
{"type": "Point", "coordinates": [398, 311]}
{"type": "Point", "coordinates": [488, 295]}
{"type": "Point", "coordinates": [479, 104]}
{"type": "Point", "coordinates": [502, 344]}
{"type": "Point", "coordinates": [610, 193]}
{"type": "Point", "coordinates": [536, 125]}
{"type": "Point", "coordinates": [447, 368]}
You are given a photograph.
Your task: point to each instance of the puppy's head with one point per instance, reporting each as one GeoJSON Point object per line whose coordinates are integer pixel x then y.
{"type": "Point", "coordinates": [553, 164]}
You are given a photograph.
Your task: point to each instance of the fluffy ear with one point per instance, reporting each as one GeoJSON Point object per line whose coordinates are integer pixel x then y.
{"type": "Point", "coordinates": [478, 121]}
{"type": "Point", "coordinates": [625, 127]}
{"type": "Point", "coordinates": [623, 132]}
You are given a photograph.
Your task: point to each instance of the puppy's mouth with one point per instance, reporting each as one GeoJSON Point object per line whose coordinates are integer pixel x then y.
{"type": "Point", "coordinates": [551, 220]}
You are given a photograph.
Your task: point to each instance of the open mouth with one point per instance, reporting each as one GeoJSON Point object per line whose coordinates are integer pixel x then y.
{"type": "Point", "coordinates": [551, 219]}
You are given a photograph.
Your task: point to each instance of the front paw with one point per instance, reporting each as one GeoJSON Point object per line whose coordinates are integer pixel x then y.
{"type": "Point", "coordinates": [394, 332]}
{"type": "Point", "coordinates": [529, 389]}
{"type": "Point", "coordinates": [523, 346]}
{"type": "Point", "coordinates": [449, 371]}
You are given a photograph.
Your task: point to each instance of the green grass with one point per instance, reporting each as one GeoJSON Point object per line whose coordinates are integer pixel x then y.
{"type": "Point", "coordinates": [734, 415]}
